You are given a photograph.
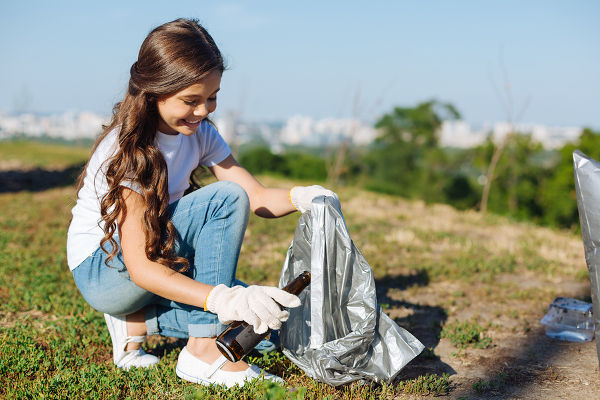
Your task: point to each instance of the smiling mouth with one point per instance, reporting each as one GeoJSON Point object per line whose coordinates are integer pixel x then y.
{"type": "Point", "coordinates": [192, 122]}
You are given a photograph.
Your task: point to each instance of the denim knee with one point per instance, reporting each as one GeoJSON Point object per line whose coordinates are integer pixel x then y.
{"type": "Point", "coordinates": [234, 195]}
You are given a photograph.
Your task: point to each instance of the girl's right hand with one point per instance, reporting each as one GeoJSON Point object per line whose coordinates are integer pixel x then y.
{"type": "Point", "coordinates": [256, 305]}
{"type": "Point", "coordinates": [302, 196]}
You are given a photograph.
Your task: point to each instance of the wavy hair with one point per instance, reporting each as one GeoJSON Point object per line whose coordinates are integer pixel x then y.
{"type": "Point", "coordinates": [173, 56]}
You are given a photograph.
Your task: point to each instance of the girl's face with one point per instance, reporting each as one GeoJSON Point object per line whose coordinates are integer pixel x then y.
{"type": "Point", "coordinates": [183, 111]}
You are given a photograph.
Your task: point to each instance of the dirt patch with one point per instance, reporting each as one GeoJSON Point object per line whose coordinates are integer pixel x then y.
{"type": "Point", "coordinates": [521, 363]}
{"type": "Point", "coordinates": [9, 319]}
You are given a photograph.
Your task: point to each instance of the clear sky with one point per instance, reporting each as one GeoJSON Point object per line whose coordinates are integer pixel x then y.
{"type": "Point", "coordinates": [319, 58]}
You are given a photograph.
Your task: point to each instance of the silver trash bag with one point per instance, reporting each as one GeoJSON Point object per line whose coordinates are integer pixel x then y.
{"type": "Point", "coordinates": [339, 334]}
{"type": "Point", "coordinates": [587, 187]}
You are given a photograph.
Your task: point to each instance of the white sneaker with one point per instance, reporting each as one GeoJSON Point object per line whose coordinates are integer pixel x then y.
{"type": "Point", "coordinates": [117, 327]}
{"type": "Point", "coordinates": [195, 370]}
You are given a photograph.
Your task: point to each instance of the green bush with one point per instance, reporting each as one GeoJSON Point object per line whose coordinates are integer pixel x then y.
{"type": "Point", "coordinates": [261, 160]}
{"type": "Point", "coordinates": [305, 166]}
{"type": "Point", "coordinates": [297, 165]}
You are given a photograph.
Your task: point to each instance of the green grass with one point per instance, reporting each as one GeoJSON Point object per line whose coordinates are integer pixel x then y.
{"type": "Point", "coordinates": [38, 154]}
{"type": "Point", "coordinates": [466, 334]}
{"type": "Point", "coordinates": [53, 345]}
{"type": "Point", "coordinates": [428, 384]}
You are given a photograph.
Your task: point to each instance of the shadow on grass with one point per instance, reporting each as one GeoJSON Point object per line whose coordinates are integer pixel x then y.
{"type": "Point", "coordinates": [423, 321]}
{"type": "Point", "coordinates": [37, 179]}
{"type": "Point", "coordinates": [160, 346]}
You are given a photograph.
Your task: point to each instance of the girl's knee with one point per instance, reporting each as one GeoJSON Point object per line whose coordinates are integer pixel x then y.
{"type": "Point", "coordinates": [222, 199]}
{"type": "Point", "coordinates": [233, 194]}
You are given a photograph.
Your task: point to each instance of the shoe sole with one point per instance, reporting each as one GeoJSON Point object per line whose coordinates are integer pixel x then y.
{"type": "Point", "coordinates": [201, 381]}
{"type": "Point", "coordinates": [193, 379]}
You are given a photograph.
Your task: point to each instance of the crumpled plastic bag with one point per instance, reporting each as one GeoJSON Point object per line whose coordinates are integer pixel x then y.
{"type": "Point", "coordinates": [339, 334]}
{"type": "Point", "coordinates": [587, 187]}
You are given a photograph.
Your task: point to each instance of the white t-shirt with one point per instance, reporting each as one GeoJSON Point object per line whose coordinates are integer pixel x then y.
{"type": "Point", "coordinates": [182, 154]}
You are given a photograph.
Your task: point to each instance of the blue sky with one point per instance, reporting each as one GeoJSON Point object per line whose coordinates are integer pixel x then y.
{"type": "Point", "coordinates": [316, 57]}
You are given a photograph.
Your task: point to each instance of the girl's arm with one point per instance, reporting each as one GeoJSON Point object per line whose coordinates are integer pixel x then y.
{"type": "Point", "coordinates": [149, 275]}
{"type": "Point", "coordinates": [264, 202]}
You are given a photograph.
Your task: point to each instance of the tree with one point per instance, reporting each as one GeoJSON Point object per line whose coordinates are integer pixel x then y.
{"type": "Point", "coordinates": [419, 126]}
{"type": "Point", "coordinates": [402, 160]}
{"type": "Point", "coordinates": [518, 176]}
{"type": "Point", "coordinates": [507, 101]}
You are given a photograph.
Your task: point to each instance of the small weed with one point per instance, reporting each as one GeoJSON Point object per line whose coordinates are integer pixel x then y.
{"type": "Point", "coordinates": [465, 334]}
{"type": "Point", "coordinates": [552, 374]}
{"type": "Point", "coordinates": [428, 384]}
{"type": "Point", "coordinates": [496, 384]}
{"type": "Point", "coordinates": [275, 363]}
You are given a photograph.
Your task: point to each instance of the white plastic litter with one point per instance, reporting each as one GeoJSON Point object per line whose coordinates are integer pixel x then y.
{"type": "Point", "coordinates": [570, 320]}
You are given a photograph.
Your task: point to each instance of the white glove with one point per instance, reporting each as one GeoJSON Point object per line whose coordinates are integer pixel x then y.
{"type": "Point", "coordinates": [256, 305]}
{"type": "Point", "coordinates": [302, 196]}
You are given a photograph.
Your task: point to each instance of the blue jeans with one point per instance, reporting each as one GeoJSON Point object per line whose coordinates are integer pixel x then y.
{"type": "Point", "coordinates": [210, 224]}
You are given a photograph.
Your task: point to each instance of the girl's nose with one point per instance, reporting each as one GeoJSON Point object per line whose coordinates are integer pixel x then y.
{"type": "Point", "coordinates": [201, 111]}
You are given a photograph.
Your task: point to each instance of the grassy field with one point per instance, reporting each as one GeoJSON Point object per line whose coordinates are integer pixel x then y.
{"type": "Point", "coordinates": [24, 153]}
{"type": "Point", "coordinates": [472, 288]}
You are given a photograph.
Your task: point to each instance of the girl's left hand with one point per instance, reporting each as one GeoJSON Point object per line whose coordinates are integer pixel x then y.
{"type": "Point", "coordinates": [259, 306]}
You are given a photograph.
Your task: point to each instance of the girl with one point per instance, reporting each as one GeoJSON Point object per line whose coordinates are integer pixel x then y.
{"type": "Point", "coordinates": [152, 260]}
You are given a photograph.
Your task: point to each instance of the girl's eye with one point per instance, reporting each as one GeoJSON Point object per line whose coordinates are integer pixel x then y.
{"type": "Point", "coordinates": [189, 102]}
{"type": "Point", "coordinates": [212, 98]}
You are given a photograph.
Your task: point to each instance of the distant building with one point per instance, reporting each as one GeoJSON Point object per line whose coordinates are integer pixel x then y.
{"type": "Point", "coordinates": [460, 134]}
{"type": "Point", "coordinates": [69, 125]}
{"type": "Point", "coordinates": [327, 131]}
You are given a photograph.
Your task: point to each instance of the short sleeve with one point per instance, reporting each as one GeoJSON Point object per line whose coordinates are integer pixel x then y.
{"type": "Point", "coordinates": [132, 185]}
{"type": "Point", "coordinates": [213, 148]}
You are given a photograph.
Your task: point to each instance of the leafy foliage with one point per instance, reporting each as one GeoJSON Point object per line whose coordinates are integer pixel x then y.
{"type": "Point", "coordinates": [417, 127]}
{"type": "Point", "coordinates": [518, 176]}
{"type": "Point", "coordinates": [557, 191]}
{"type": "Point", "coordinates": [406, 159]}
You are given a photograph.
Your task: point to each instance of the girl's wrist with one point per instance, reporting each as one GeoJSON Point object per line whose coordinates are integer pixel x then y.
{"type": "Point", "coordinates": [206, 299]}
{"type": "Point", "coordinates": [290, 197]}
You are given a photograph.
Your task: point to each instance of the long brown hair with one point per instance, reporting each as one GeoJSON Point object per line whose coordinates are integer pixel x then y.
{"type": "Point", "coordinates": [173, 56]}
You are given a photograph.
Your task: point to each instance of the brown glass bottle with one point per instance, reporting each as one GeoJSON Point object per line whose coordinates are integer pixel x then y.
{"type": "Point", "coordinates": [239, 338]}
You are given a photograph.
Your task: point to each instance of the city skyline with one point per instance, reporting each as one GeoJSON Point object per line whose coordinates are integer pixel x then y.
{"type": "Point", "coordinates": [325, 60]}
{"type": "Point", "coordinates": [297, 130]}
